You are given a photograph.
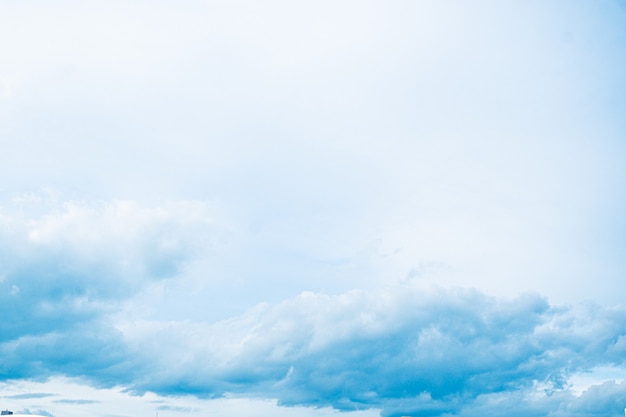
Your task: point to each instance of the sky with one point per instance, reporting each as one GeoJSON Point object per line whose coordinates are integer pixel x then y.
{"type": "Point", "coordinates": [313, 209]}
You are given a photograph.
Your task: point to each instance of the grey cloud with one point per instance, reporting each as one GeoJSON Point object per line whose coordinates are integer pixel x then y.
{"type": "Point", "coordinates": [88, 349]}
{"type": "Point", "coordinates": [36, 412]}
{"type": "Point", "coordinates": [79, 402]}
{"type": "Point", "coordinates": [174, 408]}
{"type": "Point", "coordinates": [30, 395]}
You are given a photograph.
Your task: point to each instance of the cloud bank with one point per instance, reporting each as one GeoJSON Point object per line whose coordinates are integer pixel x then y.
{"type": "Point", "coordinates": [407, 349]}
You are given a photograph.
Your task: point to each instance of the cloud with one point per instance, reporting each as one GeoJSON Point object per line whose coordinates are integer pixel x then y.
{"type": "Point", "coordinates": [80, 402]}
{"type": "Point", "coordinates": [599, 400]}
{"type": "Point", "coordinates": [606, 399]}
{"type": "Point", "coordinates": [175, 408]}
{"type": "Point", "coordinates": [118, 402]}
{"type": "Point", "coordinates": [73, 269]}
{"type": "Point", "coordinates": [413, 351]}
{"type": "Point", "coordinates": [31, 395]}
{"type": "Point", "coordinates": [27, 411]}
{"type": "Point", "coordinates": [436, 128]}
{"type": "Point", "coordinates": [407, 349]}
{"type": "Point", "coordinates": [66, 266]}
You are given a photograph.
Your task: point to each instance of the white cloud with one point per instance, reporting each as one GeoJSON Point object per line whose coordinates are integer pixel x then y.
{"type": "Point", "coordinates": [64, 264]}
{"type": "Point", "coordinates": [121, 235]}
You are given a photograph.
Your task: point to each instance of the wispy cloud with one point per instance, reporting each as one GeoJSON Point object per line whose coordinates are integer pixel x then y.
{"type": "Point", "coordinates": [174, 408]}
{"type": "Point", "coordinates": [30, 395]}
{"type": "Point", "coordinates": [78, 402]}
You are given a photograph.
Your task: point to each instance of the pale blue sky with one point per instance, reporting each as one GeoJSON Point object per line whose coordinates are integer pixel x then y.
{"type": "Point", "coordinates": [405, 208]}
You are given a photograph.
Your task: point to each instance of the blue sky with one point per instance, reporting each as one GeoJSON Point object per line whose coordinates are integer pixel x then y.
{"type": "Point", "coordinates": [354, 208]}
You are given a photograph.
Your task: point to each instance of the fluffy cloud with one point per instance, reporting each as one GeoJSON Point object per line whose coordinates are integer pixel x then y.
{"type": "Point", "coordinates": [65, 266]}
{"type": "Point", "coordinates": [70, 270]}
{"type": "Point", "coordinates": [405, 350]}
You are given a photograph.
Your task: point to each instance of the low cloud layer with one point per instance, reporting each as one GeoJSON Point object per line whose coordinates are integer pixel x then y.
{"type": "Point", "coordinates": [407, 349]}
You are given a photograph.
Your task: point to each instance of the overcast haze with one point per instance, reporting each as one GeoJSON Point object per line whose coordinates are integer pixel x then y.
{"type": "Point", "coordinates": [309, 208]}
